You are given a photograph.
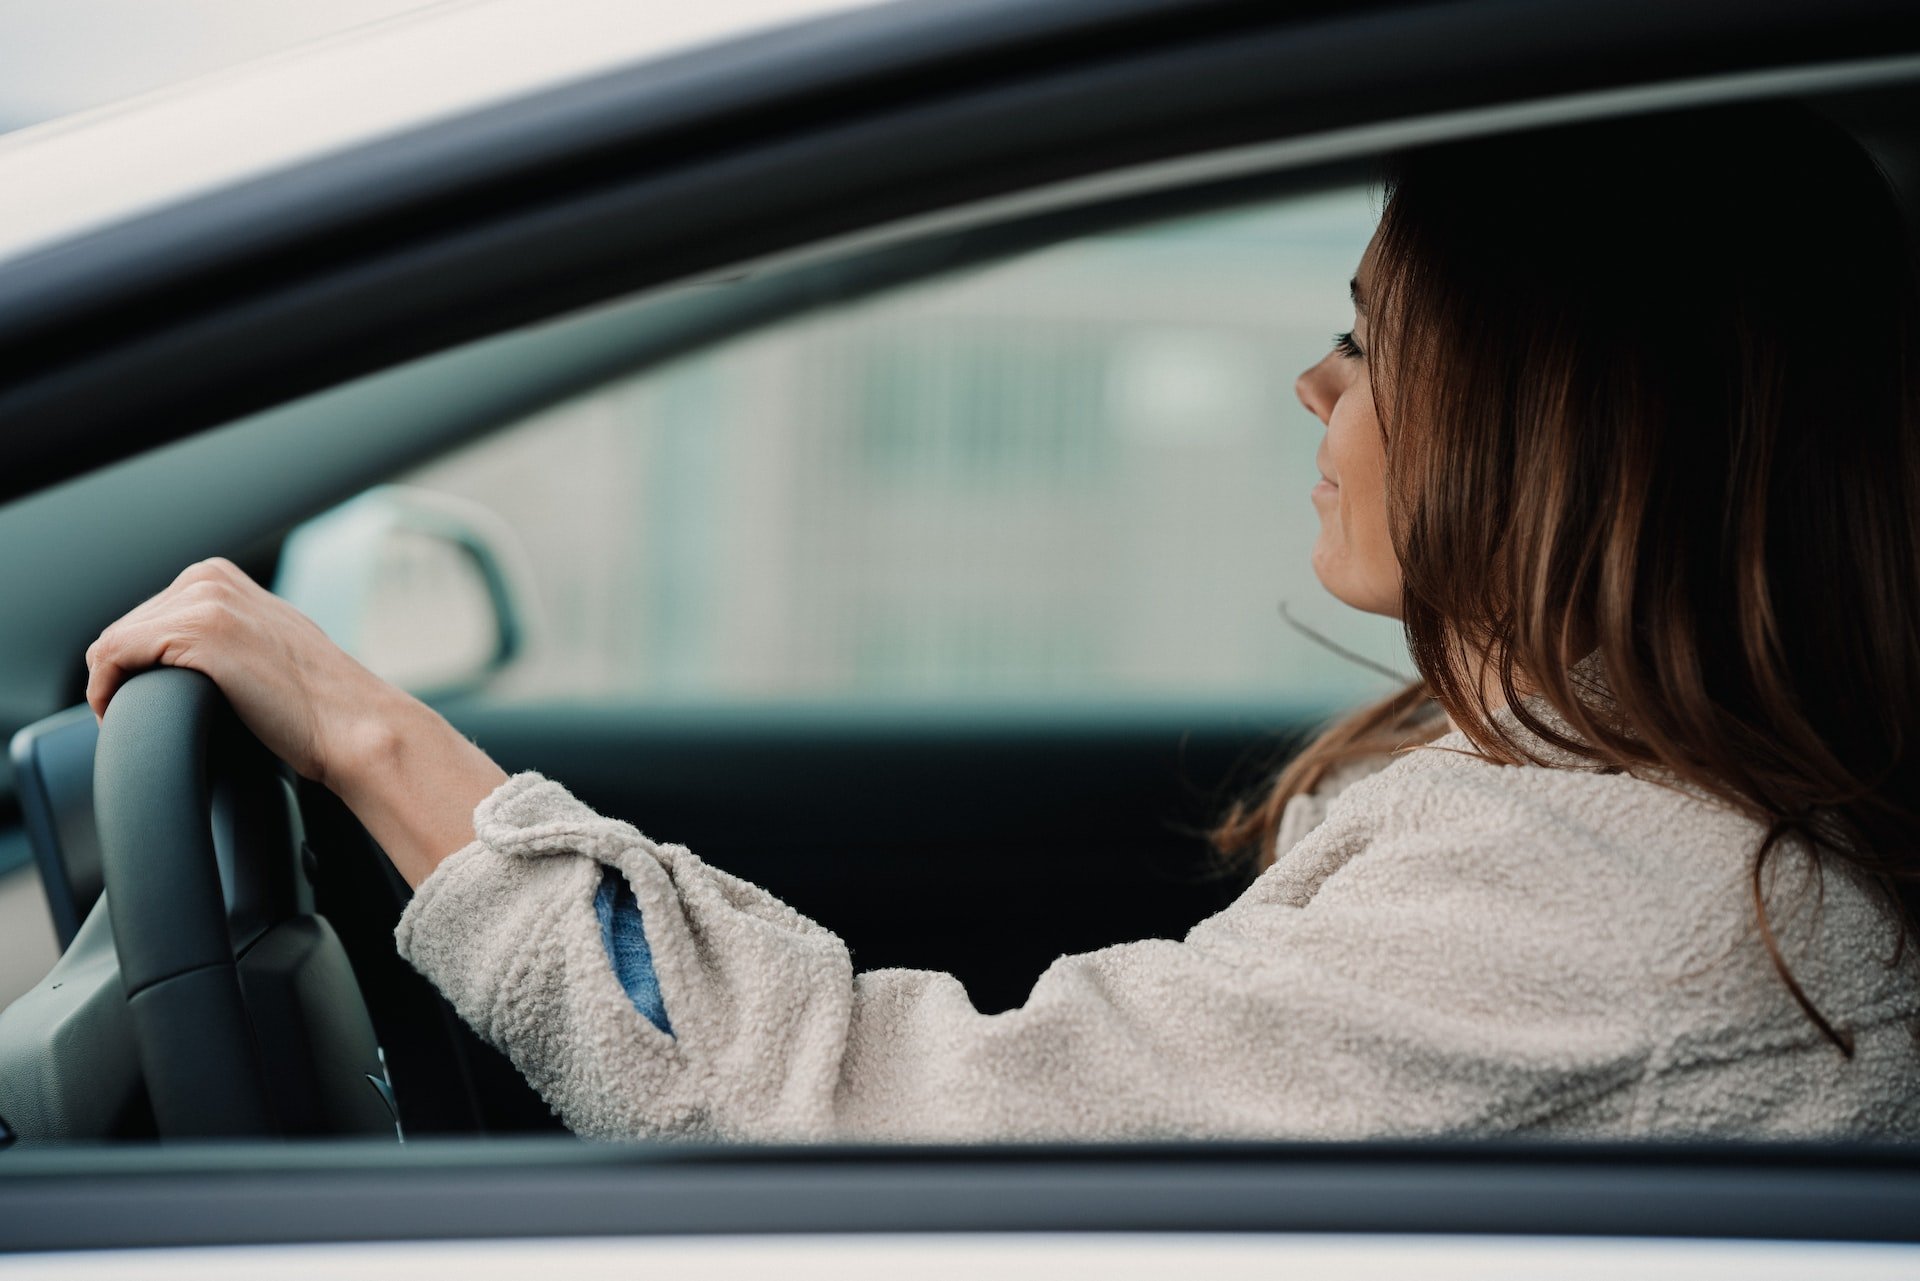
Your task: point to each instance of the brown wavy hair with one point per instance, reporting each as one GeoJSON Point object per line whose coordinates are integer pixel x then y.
{"type": "Point", "coordinates": [1653, 382]}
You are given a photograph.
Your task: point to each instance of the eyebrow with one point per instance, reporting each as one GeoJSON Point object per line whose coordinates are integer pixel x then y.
{"type": "Point", "coordinates": [1353, 292]}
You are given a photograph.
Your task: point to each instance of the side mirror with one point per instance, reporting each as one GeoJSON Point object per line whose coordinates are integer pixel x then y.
{"type": "Point", "coordinates": [421, 587]}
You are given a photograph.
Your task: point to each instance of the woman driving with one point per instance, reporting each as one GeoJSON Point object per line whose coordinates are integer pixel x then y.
{"type": "Point", "coordinates": [1623, 433]}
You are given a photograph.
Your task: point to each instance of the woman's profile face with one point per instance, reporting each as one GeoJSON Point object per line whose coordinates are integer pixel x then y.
{"type": "Point", "coordinates": [1353, 556]}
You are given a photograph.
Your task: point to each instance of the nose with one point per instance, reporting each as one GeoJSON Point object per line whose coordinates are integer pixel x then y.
{"type": "Point", "coordinates": [1315, 388]}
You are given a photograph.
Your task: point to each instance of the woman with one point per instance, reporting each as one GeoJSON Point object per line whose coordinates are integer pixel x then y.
{"type": "Point", "coordinates": [1624, 433]}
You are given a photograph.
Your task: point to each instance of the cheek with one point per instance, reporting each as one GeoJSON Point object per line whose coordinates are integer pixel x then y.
{"type": "Point", "coordinates": [1354, 445]}
{"type": "Point", "coordinates": [1355, 555]}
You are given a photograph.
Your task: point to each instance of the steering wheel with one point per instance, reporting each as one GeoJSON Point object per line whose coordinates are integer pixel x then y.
{"type": "Point", "coordinates": [244, 1008]}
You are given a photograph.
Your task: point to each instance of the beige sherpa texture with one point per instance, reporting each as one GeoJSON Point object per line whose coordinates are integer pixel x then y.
{"type": "Point", "coordinates": [1444, 947]}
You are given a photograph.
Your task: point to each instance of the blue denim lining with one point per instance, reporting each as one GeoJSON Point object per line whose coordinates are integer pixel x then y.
{"type": "Point", "coordinates": [626, 946]}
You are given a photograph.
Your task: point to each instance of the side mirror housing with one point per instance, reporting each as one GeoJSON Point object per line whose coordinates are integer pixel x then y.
{"type": "Point", "coordinates": [422, 587]}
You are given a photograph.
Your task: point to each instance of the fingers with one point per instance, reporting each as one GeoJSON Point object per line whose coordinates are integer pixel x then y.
{"type": "Point", "coordinates": [166, 630]}
{"type": "Point", "coordinates": [201, 576]}
{"type": "Point", "coordinates": [110, 660]}
{"type": "Point", "coordinates": [127, 648]}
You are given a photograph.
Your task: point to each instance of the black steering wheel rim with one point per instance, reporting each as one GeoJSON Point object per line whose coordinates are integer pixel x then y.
{"type": "Point", "coordinates": [153, 786]}
{"type": "Point", "coordinates": [245, 1012]}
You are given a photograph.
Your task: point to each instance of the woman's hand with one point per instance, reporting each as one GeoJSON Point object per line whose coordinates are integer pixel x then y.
{"type": "Point", "coordinates": [298, 692]}
{"type": "Point", "coordinates": [411, 778]}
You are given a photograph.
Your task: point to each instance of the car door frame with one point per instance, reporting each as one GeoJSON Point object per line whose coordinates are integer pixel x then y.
{"type": "Point", "coordinates": [99, 345]}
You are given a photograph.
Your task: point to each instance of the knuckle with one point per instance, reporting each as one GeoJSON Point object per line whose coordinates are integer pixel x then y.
{"type": "Point", "coordinates": [212, 570]}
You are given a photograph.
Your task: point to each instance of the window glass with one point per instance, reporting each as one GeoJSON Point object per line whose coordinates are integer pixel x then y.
{"type": "Point", "coordinates": [1077, 475]}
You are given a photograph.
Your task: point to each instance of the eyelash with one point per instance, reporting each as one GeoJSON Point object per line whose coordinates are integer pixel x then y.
{"type": "Point", "coordinates": [1346, 346]}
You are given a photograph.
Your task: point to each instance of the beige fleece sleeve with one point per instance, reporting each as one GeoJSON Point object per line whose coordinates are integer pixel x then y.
{"type": "Point", "coordinates": [1339, 1017]}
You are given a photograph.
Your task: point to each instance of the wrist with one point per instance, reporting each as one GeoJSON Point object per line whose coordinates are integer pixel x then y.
{"type": "Point", "coordinates": [367, 741]}
{"type": "Point", "coordinates": [411, 778]}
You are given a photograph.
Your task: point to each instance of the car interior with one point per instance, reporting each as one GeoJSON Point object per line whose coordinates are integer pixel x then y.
{"type": "Point", "coordinates": [976, 810]}
{"type": "Point", "coordinates": [1019, 831]}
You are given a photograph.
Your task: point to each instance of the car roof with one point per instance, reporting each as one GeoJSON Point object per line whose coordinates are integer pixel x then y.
{"type": "Point", "coordinates": [116, 162]}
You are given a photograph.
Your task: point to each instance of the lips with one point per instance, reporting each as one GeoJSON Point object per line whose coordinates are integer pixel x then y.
{"type": "Point", "coordinates": [1320, 466]}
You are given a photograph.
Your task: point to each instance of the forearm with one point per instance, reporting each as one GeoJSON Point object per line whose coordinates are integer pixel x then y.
{"type": "Point", "coordinates": [412, 780]}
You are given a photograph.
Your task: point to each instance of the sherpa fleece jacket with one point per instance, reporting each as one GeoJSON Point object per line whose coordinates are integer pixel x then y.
{"type": "Point", "coordinates": [1444, 946]}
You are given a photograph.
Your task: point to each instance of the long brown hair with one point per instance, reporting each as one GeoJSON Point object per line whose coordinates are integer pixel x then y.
{"type": "Point", "coordinates": [1648, 393]}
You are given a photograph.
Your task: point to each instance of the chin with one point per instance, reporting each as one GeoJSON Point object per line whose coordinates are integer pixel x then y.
{"type": "Point", "coordinates": [1369, 598]}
